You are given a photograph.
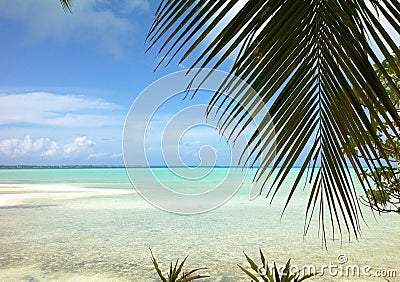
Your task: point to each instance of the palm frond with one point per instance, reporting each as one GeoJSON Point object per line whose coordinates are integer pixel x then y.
{"type": "Point", "coordinates": [67, 5]}
{"type": "Point", "coordinates": [313, 62]}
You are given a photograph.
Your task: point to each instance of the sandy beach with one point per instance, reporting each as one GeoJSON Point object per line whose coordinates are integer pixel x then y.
{"type": "Point", "coordinates": [22, 194]}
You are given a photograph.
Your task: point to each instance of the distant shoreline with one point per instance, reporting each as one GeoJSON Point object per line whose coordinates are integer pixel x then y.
{"type": "Point", "coordinates": [101, 166]}
{"type": "Point", "coordinates": [111, 166]}
{"type": "Point", "coordinates": [56, 166]}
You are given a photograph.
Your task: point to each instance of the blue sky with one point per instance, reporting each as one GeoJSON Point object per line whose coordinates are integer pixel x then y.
{"type": "Point", "coordinates": [67, 82]}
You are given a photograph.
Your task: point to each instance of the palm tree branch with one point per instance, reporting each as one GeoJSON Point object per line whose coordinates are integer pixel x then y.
{"type": "Point", "coordinates": [310, 62]}
{"type": "Point", "coordinates": [67, 5]}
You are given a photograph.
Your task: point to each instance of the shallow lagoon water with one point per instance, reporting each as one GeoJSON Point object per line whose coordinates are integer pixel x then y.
{"type": "Point", "coordinates": [107, 236]}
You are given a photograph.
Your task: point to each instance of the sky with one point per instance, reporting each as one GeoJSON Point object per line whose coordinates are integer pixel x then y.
{"type": "Point", "coordinates": [67, 82]}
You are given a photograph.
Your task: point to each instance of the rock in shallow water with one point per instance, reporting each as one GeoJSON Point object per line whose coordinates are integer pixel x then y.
{"type": "Point", "coordinates": [30, 278]}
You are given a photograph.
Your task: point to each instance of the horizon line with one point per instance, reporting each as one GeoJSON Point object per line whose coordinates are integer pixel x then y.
{"type": "Point", "coordinates": [25, 166]}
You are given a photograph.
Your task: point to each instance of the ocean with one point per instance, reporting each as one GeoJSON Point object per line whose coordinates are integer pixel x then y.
{"type": "Point", "coordinates": [92, 225]}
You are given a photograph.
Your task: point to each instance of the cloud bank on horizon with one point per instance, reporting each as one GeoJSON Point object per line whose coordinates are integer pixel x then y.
{"type": "Point", "coordinates": [48, 128]}
{"type": "Point", "coordinates": [42, 128]}
{"type": "Point", "coordinates": [43, 147]}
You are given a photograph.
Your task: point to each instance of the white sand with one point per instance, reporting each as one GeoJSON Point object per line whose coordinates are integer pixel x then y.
{"type": "Point", "coordinates": [18, 194]}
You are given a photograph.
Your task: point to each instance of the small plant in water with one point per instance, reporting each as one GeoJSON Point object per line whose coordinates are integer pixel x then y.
{"type": "Point", "coordinates": [173, 274]}
{"type": "Point", "coordinates": [267, 274]}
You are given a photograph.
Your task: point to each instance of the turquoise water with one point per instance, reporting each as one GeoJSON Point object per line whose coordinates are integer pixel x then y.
{"type": "Point", "coordinates": [84, 236]}
{"type": "Point", "coordinates": [105, 177]}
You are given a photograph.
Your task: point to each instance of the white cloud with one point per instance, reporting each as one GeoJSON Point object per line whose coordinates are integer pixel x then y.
{"type": "Point", "coordinates": [116, 155]}
{"type": "Point", "coordinates": [44, 147]}
{"type": "Point", "coordinates": [48, 109]}
{"type": "Point", "coordinates": [81, 142]}
{"type": "Point", "coordinates": [25, 119]}
{"type": "Point", "coordinates": [97, 155]}
{"type": "Point", "coordinates": [92, 20]}
{"type": "Point", "coordinates": [131, 5]}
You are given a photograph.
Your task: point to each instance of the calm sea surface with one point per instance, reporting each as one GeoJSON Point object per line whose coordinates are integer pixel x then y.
{"type": "Point", "coordinates": [98, 236]}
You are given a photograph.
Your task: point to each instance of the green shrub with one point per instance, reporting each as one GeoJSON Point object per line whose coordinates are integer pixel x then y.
{"type": "Point", "coordinates": [267, 274]}
{"type": "Point", "coordinates": [173, 274]}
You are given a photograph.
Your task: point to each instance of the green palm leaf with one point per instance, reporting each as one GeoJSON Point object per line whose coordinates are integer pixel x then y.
{"type": "Point", "coordinates": [67, 5]}
{"type": "Point", "coordinates": [312, 61]}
